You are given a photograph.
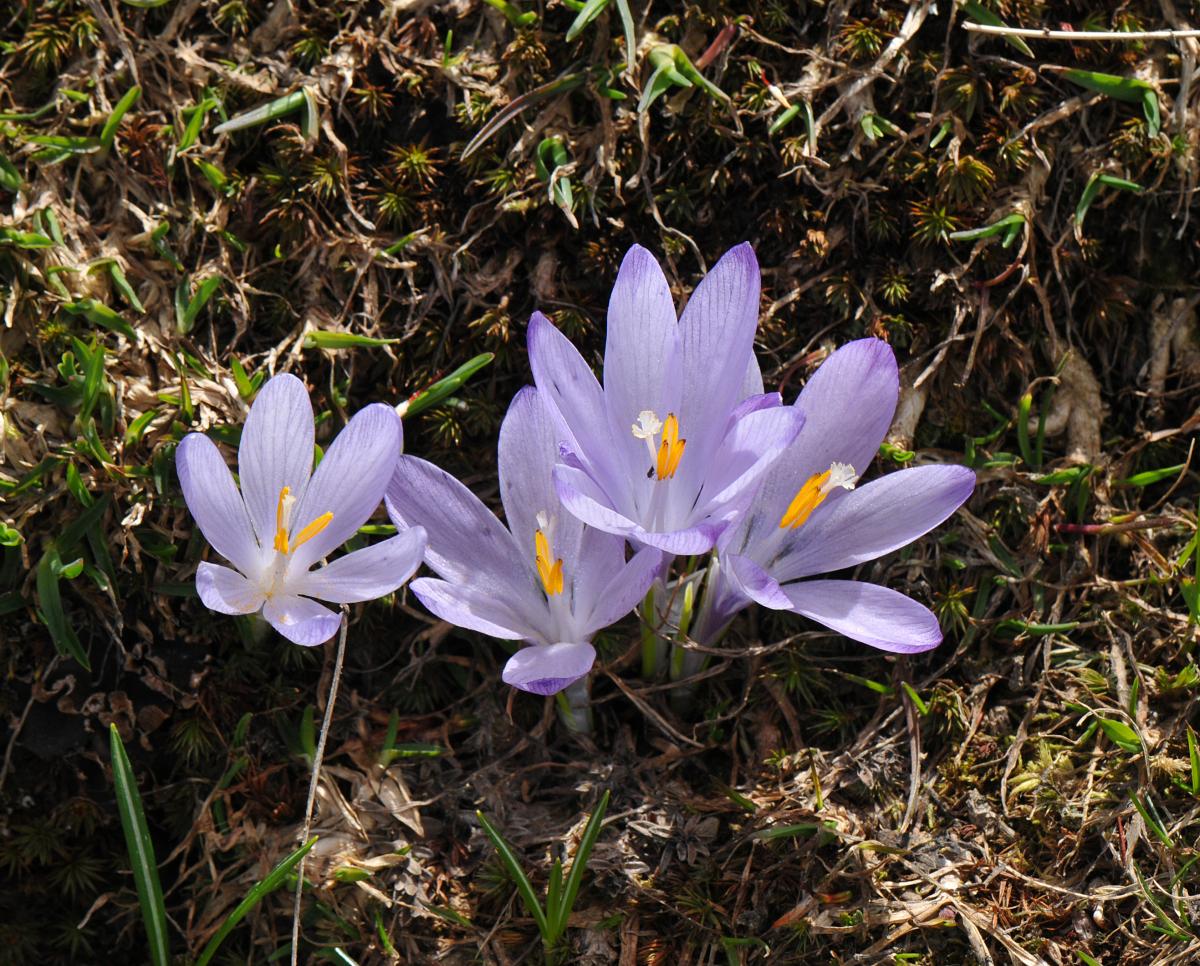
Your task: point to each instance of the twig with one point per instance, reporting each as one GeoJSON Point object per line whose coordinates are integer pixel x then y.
{"type": "Point", "coordinates": [313, 781]}
{"type": "Point", "coordinates": [1045, 33]}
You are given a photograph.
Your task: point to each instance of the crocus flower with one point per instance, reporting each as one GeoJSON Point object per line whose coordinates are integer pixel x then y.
{"type": "Point", "coordinates": [287, 517]}
{"type": "Point", "coordinates": [545, 579]}
{"type": "Point", "coordinates": [810, 517]}
{"type": "Point", "coordinates": [667, 450]}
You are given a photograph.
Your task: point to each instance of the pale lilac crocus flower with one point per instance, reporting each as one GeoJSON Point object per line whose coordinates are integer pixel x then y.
{"type": "Point", "coordinates": [287, 517]}
{"type": "Point", "coordinates": [546, 579]}
{"type": "Point", "coordinates": [810, 517]}
{"type": "Point", "coordinates": [665, 453]}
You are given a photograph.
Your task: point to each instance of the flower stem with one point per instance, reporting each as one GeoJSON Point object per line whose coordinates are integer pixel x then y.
{"type": "Point", "coordinates": [653, 651]}
{"type": "Point", "coordinates": [575, 706]}
{"type": "Point", "coordinates": [313, 781]}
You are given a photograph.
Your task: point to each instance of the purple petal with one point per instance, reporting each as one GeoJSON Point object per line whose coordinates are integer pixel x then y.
{"type": "Point", "coordinates": [276, 450]}
{"type": "Point", "coordinates": [469, 607]}
{"type": "Point", "coordinates": [547, 669]}
{"type": "Point", "coordinates": [868, 613]}
{"type": "Point", "coordinates": [569, 387]}
{"type": "Point", "coordinates": [226, 591]}
{"type": "Point", "coordinates": [749, 451]}
{"type": "Point", "coordinates": [848, 406]}
{"type": "Point", "coordinates": [641, 353]}
{"type": "Point", "coordinates": [875, 519]}
{"type": "Point", "coordinates": [582, 497]}
{"type": "Point", "coordinates": [699, 538]}
{"type": "Point", "coordinates": [752, 383]}
{"type": "Point", "coordinates": [717, 346]}
{"type": "Point", "coordinates": [527, 453]}
{"type": "Point", "coordinates": [849, 403]}
{"type": "Point", "coordinates": [750, 580]}
{"type": "Point", "coordinates": [466, 543]}
{"type": "Point", "coordinates": [626, 589]}
{"type": "Point", "coordinates": [300, 620]}
{"type": "Point", "coordinates": [214, 501]}
{"type": "Point", "coordinates": [753, 403]}
{"type": "Point", "coordinates": [365, 574]}
{"type": "Point", "coordinates": [349, 483]}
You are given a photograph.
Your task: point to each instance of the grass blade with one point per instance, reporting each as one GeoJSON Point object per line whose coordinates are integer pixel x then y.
{"type": "Point", "coordinates": [109, 132]}
{"type": "Point", "coordinates": [321, 339]}
{"type": "Point", "coordinates": [141, 852]}
{"type": "Point", "coordinates": [51, 608]}
{"type": "Point", "coordinates": [446, 386]}
{"type": "Point", "coordinates": [590, 11]}
{"type": "Point", "coordinates": [272, 881]}
{"type": "Point", "coordinates": [513, 865]}
{"type": "Point", "coordinates": [560, 85]}
{"type": "Point", "coordinates": [280, 107]}
{"type": "Point", "coordinates": [575, 877]}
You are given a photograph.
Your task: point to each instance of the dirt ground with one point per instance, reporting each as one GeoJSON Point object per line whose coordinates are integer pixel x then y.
{"type": "Point", "coordinates": [1012, 215]}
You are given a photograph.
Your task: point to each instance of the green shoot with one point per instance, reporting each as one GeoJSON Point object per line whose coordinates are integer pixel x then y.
{"type": "Point", "coordinates": [561, 894]}
{"type": "Point", "coordinates": [272, 881]}
{"type": "Point", "coordinates": [512, 13]}
{"type": "Point", "coordinates": [109, 132]}
{"type": "Point", "coordinates": [444, 387]}
{"type": "Point", "coordinates": [141, 851]}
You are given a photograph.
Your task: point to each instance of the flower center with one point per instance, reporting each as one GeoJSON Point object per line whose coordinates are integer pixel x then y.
{"type": "Point", "coordinates": [283, 513]}
{"type": "Point", "coordinates": [666, 455]}
{"type": "Point", "coordinates": [551, 574]}
{"type": "Point", "coordinates": [814, 491]}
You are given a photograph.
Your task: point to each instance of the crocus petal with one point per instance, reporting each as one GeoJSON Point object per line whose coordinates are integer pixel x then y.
{"type": "Point", "coordinates": [626, 589]}
{"type": "Point", "coordinates": [584, 499]}
{"type": "Point", "coordinates": [750, 449]}
{"type": "Point", "coordinates": [526, 454]}
{"type": "Point", "coordinates": [641, 351]}
{"type": "Point", "coordinates": [226, 591]}
{"type": "Point", "coordinates": [547, 669]}
{"type": "Point", "coordinates": [349, 483]}
{"type": "Point", "coordinates": [752, 383]}
{"type": "Point", "coordinates": [699, 538]}
{"type": "Point", "coordinates": [276, 450]}
{"type": "Point", "coordinates": [365, 574]}
{"type": "Point", "coordinates": [750, 580]}
{"type": "Point", "coordinates": [849, 403]}
{"type": "Point", "coordinates": [875, 519]}
{"type": "Point", "coordinates": [716, 334]}
{"type": "Point", "coordinates": [214, 501]}
{"type": "Point", "coordinates": [466, 606]}
{"type": "Point", "coordinates": [300, 620]}
{"type": "Point", "coordinates": [569, 387]}
{"type": "Point", "coordinates": [466, 543]}
{"type": "Point", "coordinates": [868, 613]}
{"type": "Point", "coordinates": [848, 406]}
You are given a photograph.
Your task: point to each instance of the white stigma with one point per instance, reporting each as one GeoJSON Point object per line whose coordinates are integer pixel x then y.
{"type": "Point", "coordinates": [648, 425]}
{"type": "Point", "coordinates": [543, 520]}
{"type": "Point", "coordinates": [840, 474]}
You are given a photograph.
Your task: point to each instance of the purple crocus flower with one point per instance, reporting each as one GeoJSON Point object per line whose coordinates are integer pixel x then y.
{"type": "Point", "coordinates": [667, 451]}
{"type": "Point", "coordinates": [287, 517]}
{"type": "Point", "coordinates": [547, 579]}
{"type": "Point", "coordinates": [809, 517]}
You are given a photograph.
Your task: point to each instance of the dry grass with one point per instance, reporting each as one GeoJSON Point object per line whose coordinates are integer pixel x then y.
{"type": "Point", "coordinates": [1024, 794]}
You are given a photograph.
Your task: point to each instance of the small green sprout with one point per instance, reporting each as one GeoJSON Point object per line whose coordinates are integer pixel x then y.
{"type": "Point", "coordinates": [672, 68]}
{"type": "Point", "coordinates": [552, 917]}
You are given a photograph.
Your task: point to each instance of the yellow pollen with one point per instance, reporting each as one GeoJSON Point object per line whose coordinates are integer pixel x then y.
{"type": "Point", "coordinates": [670, 450]}
{"type": "Point", "coordinates": [281, 537]}
{"type": "Point", "coordinates": [550, 574]}
{"type": "Point", "coordinates": [310, 531]}
{"type": "Point", "coordinates": [810, 496]}
{"type": "Point", "coordinates": [282, 512]}
{"type": "Point", "coordinates": [814, 491]}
